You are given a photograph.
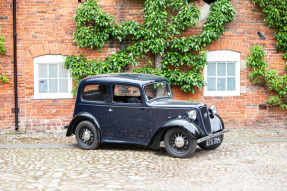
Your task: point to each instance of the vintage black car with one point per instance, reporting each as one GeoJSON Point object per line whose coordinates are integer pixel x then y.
{"type": "Point", "coordinates": [139, 109]}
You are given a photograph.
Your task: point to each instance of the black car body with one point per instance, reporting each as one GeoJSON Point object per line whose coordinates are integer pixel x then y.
{"type": "Point", "coordinates": [139, 109]}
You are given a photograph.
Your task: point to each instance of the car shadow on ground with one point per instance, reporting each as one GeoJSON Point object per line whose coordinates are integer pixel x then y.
{"type": "Point", "coordinates": [131, 147]}
{"type": "Point", "coordinates": [140, 148]}
{"type": "Point", "coordinates": [127, 147]}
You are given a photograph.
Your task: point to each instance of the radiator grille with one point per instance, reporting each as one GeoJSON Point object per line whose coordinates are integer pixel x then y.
{"type": "Point", "coordinates": [205, 118]}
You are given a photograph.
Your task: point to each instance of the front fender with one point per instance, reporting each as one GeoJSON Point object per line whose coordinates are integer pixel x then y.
{"type": "Point", "coordinates": [81, 117]}
{"type": "Point", "coordinates": [216, 123]}
{"type": "Point", "coordinates": [194, 131]}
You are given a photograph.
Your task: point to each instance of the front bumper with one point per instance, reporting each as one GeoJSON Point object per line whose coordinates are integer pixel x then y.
{"type": "Point", "coordinates": [211, 136]}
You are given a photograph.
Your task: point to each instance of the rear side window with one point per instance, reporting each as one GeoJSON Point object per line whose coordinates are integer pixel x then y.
{"type": "Point", "coordinates": [95, 92]}
{"type": "Point", "coordinates": [126, 94]}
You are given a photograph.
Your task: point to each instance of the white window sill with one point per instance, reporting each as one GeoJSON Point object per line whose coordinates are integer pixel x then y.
{"type": "Point", "coordinates": [52, 97]}
{"type": "Point", "coordinates": [221, 94]}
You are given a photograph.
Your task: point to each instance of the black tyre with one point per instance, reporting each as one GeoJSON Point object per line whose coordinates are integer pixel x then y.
{"type": "Point", "coordinates": [203, 144]}
{"type": "Point", "coordinates": [178, 143]}
{"type": "Point", "coordinates": [87, 135]}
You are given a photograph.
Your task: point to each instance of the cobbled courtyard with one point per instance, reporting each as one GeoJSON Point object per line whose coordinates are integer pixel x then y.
{"type": "Point", "coordinates": [247, 160]}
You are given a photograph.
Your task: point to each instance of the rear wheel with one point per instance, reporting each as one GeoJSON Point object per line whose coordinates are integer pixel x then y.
{"type": "Point", "coordinates": [87, 135]}
{"type": "Point", "coordinates": [178, 143]}
{"type": "Point", "coordinates": [211, 147]}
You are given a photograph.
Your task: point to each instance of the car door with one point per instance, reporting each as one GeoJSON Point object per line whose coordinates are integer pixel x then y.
{"type": "Point", "coordinates": [95, 101]}
{"type": "Point", "coordinates": [128, 115]}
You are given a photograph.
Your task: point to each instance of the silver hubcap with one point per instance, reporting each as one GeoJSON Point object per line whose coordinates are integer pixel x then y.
{"type": "Point", "coordinates": [179, 142]}
{"type": "Point", "coordinates": [86, 135]}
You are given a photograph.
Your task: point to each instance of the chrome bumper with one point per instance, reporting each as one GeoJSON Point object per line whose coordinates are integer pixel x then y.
{"type": "Point", "coordinates": [211, 136]}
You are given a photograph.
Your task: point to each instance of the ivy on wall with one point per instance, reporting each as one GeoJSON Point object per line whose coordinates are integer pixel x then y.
{"type": "Point", "coordinates": [2, 52]}
{"type": "Point", "coordinates": [3, 79]}
{"type": "Point", "coordinates": [267, 77]}
{"type": "Point", "coordinates": [2, 49]}
{"type": "Point", "coordinates": [181, 58]}
{"type": "Point", "coordinates": [276, 15]}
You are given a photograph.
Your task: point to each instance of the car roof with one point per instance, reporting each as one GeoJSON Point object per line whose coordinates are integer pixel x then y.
{"type": "Point", "coordinates": [134, 78]}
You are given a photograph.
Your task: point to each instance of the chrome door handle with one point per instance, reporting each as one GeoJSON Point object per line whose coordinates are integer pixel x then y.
{"type": "Point", "coordinates": [110, 110]}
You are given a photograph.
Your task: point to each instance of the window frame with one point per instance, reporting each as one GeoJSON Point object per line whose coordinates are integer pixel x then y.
{"type": "Point", "coordinates": [226, 56]}
{"type": "Point", "coordinates": [50, 59]}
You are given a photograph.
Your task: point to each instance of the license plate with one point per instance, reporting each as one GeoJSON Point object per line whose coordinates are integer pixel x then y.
{"type": "Point", "coordinates": [213, 141]}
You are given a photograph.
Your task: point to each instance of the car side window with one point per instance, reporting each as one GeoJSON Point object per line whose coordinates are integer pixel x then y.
{"type": "Point", "coordinates": [95, 92]}
{"type": "Point", "coordinates": [126, 94]}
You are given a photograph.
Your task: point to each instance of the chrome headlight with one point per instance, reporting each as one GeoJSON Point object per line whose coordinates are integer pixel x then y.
{"type": "Point", "coordinates": [213, 109]}
{"type": "Point", "coordinates": [192, 114]}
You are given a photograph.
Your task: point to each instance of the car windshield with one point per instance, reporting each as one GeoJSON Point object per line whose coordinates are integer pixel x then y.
{"type": "Point", "coordinates": [157, 90]}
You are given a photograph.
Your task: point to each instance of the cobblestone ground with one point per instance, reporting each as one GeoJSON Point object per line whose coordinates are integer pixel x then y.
{"type": "Point", "coordinates": [260, 164]}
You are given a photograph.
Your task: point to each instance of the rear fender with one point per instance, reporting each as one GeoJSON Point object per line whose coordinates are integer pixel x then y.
{"type": "Point", "coordinates": [194, 131]}
{"type": "Point", "coordinates": [82, 117]}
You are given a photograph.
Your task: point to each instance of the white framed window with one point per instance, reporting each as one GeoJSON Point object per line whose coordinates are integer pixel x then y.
{"type": "Point", "coordinates": [51, 80]}
{"type": "Point", "coordinates": [222, 73]}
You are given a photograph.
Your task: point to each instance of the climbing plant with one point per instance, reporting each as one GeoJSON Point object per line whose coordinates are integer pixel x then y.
{"type": "Point", "coordinates": [3, 79]}
{"type": "Point", "coordinates": [2, 51]}
{"type": "Point", "coordinates": [270, 78]}
{"type": "Point", "coordinates": [276, 15]}
{"type": "Point", "coordinates": [181, 58]}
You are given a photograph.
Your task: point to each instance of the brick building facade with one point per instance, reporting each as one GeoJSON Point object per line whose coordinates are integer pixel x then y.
{"type": "Point", "coordinates": [45, 28]}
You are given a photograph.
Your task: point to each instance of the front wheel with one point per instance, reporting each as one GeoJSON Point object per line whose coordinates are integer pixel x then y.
{"type": "Point", "coordinates": [178, 143]}
{"type": "Point", "coordinates": [87, 135]}
{"type": "Point", "coordinates": [211, 147]}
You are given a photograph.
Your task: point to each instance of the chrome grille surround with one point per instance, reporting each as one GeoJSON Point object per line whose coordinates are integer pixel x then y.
{"type": "Point", "coordinates": [205, 119]}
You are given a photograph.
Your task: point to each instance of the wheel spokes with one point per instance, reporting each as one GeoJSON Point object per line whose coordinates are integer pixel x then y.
{"type": "Point", "coordinates": [179, 142]}
{"type": "Point", "coordinates": [86, 136]}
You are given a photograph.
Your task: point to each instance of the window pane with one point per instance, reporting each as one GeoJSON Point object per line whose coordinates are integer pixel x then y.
{"type": "Point", "coordinates": [211, 69]}
{"type": "Point", "coordinates": [53, 70]}
{"type": "Point", "coordinates": [231, 69]}
{"type": "Point", "coordinates": [126, 94]}
{"type": "Point", "coordinates": [43, 86]}
{"type": "Point", "coordinates": [53, 86]}
{"type": "Point", "coordinates": [231, 84]}
{"type": "Point", "coordinates": [63, 86]}
{"type": "Point", "coordinates": [63, 72]}
{"type": "Point", "coordinates": [211, 84]}
{"type": "Point", "coordinates": [95, 93]}
{"type": "Point", "coordinates": [221, 69]}
{"type": "Point", "coordinates": [157, 90]}
{"type": "Point", "coordinates": [126, 90]}
{"type": "Point", "coordinates": [221, 84]}
{"type": "Point", "coordinates": [42, 70]}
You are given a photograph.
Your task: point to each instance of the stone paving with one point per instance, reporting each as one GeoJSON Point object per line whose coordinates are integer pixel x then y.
{"type": "Point", "coordinates": [245, 161]}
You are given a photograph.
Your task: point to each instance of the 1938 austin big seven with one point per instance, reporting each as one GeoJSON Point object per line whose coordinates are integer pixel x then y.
{"type": "Point", "coordinates": [139, 109]}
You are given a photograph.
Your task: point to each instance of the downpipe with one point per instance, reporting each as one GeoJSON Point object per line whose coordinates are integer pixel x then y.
{"type": "Point", "coordinates": [15, 66]}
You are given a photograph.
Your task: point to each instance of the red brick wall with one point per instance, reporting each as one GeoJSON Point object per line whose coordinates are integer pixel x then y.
{"type": "Point", "coordinates": [46, 27]}
{"type": "Point", "coordinates": [6, 66]}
